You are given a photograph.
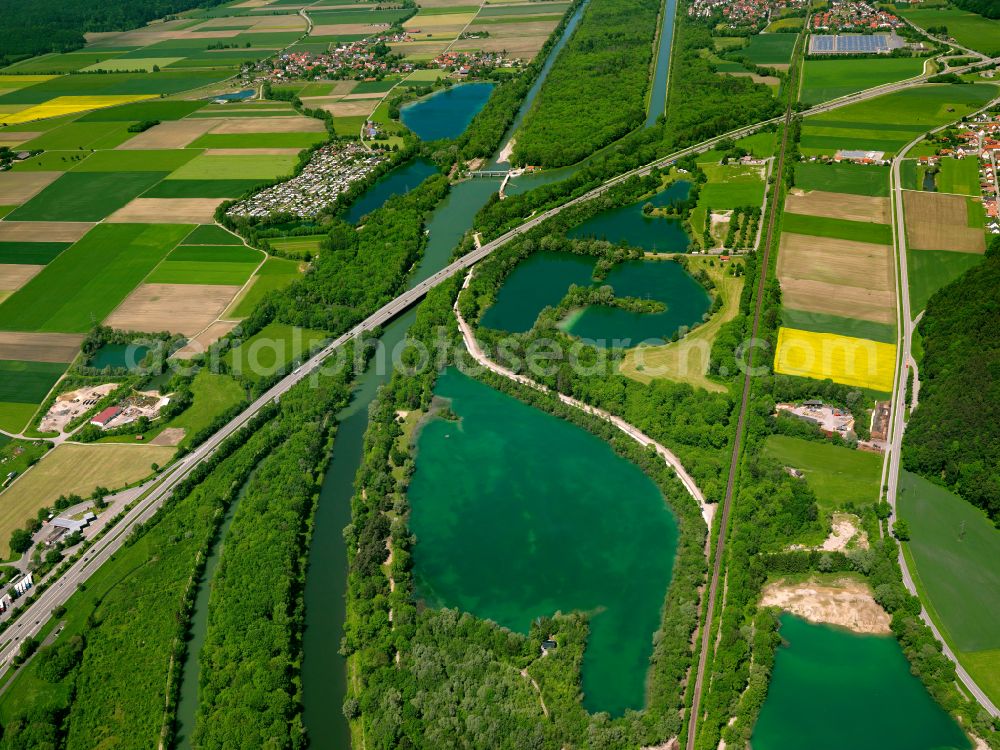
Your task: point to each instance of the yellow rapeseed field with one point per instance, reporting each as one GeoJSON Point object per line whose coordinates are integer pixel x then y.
{"type": "Point", "coordinates": [67, 105]}
{"type": "Point", "coordinates": [843, 359]}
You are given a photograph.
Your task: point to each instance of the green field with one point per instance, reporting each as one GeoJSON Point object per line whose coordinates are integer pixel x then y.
{"type": "Point", "coordinates": [968, 29]}
{"type": "Point", "coordinates": [272, 349]}
{"type": "Point", "coordinates": [824, 323]}
{"type": "Point", "coordinates": [361, 15]}
{"type": "Point", "coordinates": [297, 245]}
{"type": "Point", "coordinates": [202, 188]}
{"type": "Point", "coordinates": [38, 253]}
{"type": "Point", "coordinates": [857, 179]}
{"type": "Point", "coordinates": [207, 264]}
{"type": "Point", "coordinates": [160, 110]}
{"type": "Point", "coordinates": [959, 176]}
{"type": "Point", "coordinates": [213, 395]}
{"type": "Point", "coordinates": [154, 160]}
{"type": "Point", "coordinates": [85, 196]}
{"type": "Point", "coordinates": [23, 386]}
{"type": "Point", "coordinates": [731, 186]}
{"type": "Point", "coordinates": [954, 551]}
{"type": "Point", "coordinates": [51, 161]}
{"type": "Point", "coordinates": [64, 63]}
{"type": "Point", "coordinates": [244, 167]}
{"type": "Point", "coordinates": [824, 80]}
{"type": "Point", "coordinates": [889, 122]}
{"type": "Point", "coordinates": [929, 270]}
{"type": "Point", "coordinates": [259, 140]}
{"type": "Point", "coordinates": [767, 49]}
{"type": "Point", "coordinates": [210, 234]}
{"type": "Point", "coordinates": [276, 273]}
{"type": "Point", "coordinates": [820, 226]}
{"type": "Point", "coordinates": [837, 475]}
{"type": "Point", "coordinates": [81, 135]}
{"type": "Point", "coordinates": [87, 281]}
{"type": "Point", "coordinates": [93, 84]}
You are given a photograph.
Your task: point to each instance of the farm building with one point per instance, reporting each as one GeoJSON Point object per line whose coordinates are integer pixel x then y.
{"type": "Point", "coordinates": [102, 419]}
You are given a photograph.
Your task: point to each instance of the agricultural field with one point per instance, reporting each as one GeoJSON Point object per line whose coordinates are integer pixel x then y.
{"type": "Point", "coordinates": [730, 186]}
{"type": "Point", "coordinates": [85, 196]}
{"type": "Point", "coordinates": [766, 49]}
{"type": "Point", "coordinates": [88, 280]}
{"type": "Point", "coordinates": [938, 221]}
{"type": "Point", "coordinates": [843, 229]}
{"type": "Point", "coordinates": [74, 468]}
{"type": "Point", "coordinates": [276, 273]}
{"type": "Point", "coordinates": [968, 29]}
{"type": "Point", "coordinates": [23, 386]}
{"type": "Point", "coordinates": [687, 359]}
{"type": "Point", "coordinates": [856, 179]}
{"type": "Point", "coordinates": [842, 359]}
{"type": "Point", "coordinates": [207, 264]}
{"type": "Point", "coordinates": [889, 122]}
{"type": "Point", "coordinates": [824, 80]}
{"type": "Point", "coordinates": [929, 270]}
{"type": "Point", "coordinates": [297, 246]}
{"type": "Point", "coordinates": [952, 552]}
{"type": "Point", "coordinates": [959, 176]}
{"type": "Point", "coordinates": [843, 326]}
{"type": "Point", "coordinates": [837, 475]}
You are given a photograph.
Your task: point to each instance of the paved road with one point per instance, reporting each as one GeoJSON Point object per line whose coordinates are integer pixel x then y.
{"type": "Point", "coordinates": [904, 359]}
{"type": "Point", "coordinates": [35, 616]}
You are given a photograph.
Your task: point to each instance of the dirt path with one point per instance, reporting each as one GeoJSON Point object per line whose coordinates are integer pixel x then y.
{"type": "Point", "coordinates": [707, 509]}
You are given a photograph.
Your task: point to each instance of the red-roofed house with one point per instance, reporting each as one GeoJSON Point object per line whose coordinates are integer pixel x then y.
{"type": "Point", "coordinates": [106, 416]}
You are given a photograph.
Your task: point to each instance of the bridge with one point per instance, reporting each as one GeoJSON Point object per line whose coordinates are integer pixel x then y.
{"type": "Point", "coordinates": [489, 173]}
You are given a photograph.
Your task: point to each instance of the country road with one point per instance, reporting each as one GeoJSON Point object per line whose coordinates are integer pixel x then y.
{"type": "Point", "coordinates": [897, 420]}
{"type": "Point", "coordinates": [31, 620]}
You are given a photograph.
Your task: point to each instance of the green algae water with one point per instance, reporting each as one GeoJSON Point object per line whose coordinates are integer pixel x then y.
{"type": "Point", "coordinates": [628, 223]}
{"type": "Point", "coordinates": [832, 689]}
{"type": "Point", "coordinates": [544, 278]}
{"type": "Point", "coordinates": [400, 180]}
{"type": "Point", "coordinates": [519, 514]}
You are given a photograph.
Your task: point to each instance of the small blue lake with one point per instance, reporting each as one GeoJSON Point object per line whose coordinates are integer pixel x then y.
{"type": "Point", "coordinates": [630, 225]}
{"type": "Point", "coordinates": [236, 96]}
{"type": "Point", "coordinates": [126, 356]}
{"type": "Point", "coordinates": [400, 180]}
{"type": "Point", "coordinates": [447, 113]}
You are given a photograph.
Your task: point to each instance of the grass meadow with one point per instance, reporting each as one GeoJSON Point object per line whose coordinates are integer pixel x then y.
{"type": "Point", "coordinates": [959, 176]}
{"type": "Point", "coordinates": [887, 123]}
{"type": "Point", "coordinates": [968, 29]}
{"type": "Point", "coordinates": [767, 49]}
{"type": "Point", "coordinates": [731, 186]}
{"type": "Point", "coordinates": [929, 270]}
{"type": "Point", "coordinates": [88, 280]}
{"type": "Point", "coordinates": [259, 140]}
{"type": "Point", "coordinates": [207, 264]}
{"type": "Point", "coordinates": [276, 273]}
{"type": "Point", "coordinates": [856, 179]}
{"type": "Point", "coordinates": [239, 166]}
{"type": "Point", "coordinates": [953, 550]}
{"type": "Point", "coordinates": [210, 234]}
{"type": "Point", "coordinates": [824, 80]}
{"type": "Point", "coordinates": [837, 475]}
{"type": "Point", "coordinates": [271, 349]}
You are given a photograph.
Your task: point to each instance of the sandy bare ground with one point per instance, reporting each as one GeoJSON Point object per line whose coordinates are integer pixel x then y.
{"type": "Point", "coordinates": [839, 206]}
{"type": "Point", "coordinates": [169, 436]}
{"type": "Point", "coordinates": [15, 138]}
{"type": "Point", "coordinates": [199, 344]}
{"type": "Point", "coordinates": [179, 308]}
{"type": "Point", "coordinates": [39, 347]}
{"type": "Point", "coordinates": [279, 23]}
{"type": "Point", "coordinates": [43, 231]}
{"type": "Point", "coordinates": [167, 211]}
{"type": "Point", "coordinates": [271, 125]}
{"type": "Point", "coordinates": [343, 87]}
{"type": "Point", "coordinates": [352, 109]}
{"type": "Point", "coordinates": [68, 406]}
{"type": "Point", "coordinates": [937, 221]}
{"type": "Point", "coordinates": [840, 277]}
{"type": "Point", "coordinates": [317, 102]}
{"type": "Point", "coordinates": [206, 34]}
{"type": "Point", "coordinates": [845, 527]}
{"type": "Point", "coordinates": [369, 95]}
{"type": "Point", "coordinates": [225, 22]}
{"type": "Point", "coordinates": [175, 134]}
{"type": "Point", "coordinates": [251, 151]}
{"type": "Point", "coordinates": [844, 602]}
{"type": "Point", "coordinates": [17, 187]}
{"type": "Point", "coordinates": [15, 275]}
{"type": "Point", "coordinates": [525, 47]}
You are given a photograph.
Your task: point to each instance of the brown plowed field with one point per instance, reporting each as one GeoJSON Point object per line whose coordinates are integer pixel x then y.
{"type": "Point", "coordinates": [840, 206]}
{"type": "Point", "coordinates": [935, 221]}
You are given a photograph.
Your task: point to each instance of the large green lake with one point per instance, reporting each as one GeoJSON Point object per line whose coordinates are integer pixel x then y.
{"type": "Point", "coordinates": [832, 689]}
{"type": "Point", "coordinates": [519, 514]}
{"type": "Point", "coordinates": [629, 224]}
{"type": "Point", "coordinates": [544, 278]}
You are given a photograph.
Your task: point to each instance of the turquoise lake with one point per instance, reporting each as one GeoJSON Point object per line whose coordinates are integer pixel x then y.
{"type": "Point", "coordinates": [628, 224]}
{"type": "Point", "coordinates": [833, 689]}
{"type": "Point", "coordinates": [447, 113]}
{"type": "Point", "coordinates": [399, 181]}
{"type": "Point", "coordinates": [519, 514]}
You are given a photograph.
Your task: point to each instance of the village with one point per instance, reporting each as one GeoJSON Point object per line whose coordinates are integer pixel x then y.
{"type": "Point", "coordinates": [852, 15]}
{"type": "Point", "coordinates": [365, 58]}
{"type": "Point", "coordinates": [756, 13]}
{"type": "Point", "coordinates": [331, 171]}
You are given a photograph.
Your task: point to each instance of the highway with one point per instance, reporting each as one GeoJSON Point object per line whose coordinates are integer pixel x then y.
{"type": "Point", "coordinates": [897, 421]}
{"type": "Point", "coordinates": [30, 621]}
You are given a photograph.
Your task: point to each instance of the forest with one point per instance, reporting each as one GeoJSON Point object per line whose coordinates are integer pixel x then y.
{"type": "Point", "coordinates": [595, 91]}
{"type": "Point", "coordinates": [952, 437]}
{"type": "Point", "coordinates": [41, 26]}
{"type": "Point", "coordinates": [987, 8]}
